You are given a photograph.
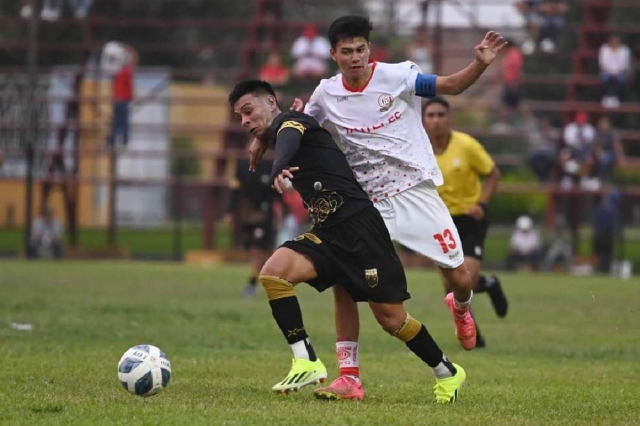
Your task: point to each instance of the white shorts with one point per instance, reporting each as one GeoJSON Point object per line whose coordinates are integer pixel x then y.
{"type": "Point", "coordinates": [418, 219]}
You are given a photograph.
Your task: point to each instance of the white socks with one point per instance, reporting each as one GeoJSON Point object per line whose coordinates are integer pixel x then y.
{"type": "Point", "coordinates": [300, 349]}
{"type": "Point", "coordinates": [444, 369]}
{"type": "Point", "coordinates": [347, 353]}
{"type": "Point", "coordinates": [462, 305]}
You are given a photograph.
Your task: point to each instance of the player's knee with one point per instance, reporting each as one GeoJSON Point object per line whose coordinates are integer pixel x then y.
{"type": "Point", "coordinates": [390, 317]}
{"type": "Point", "coordinates": [275, 287]}
{"type": "Point", "coordinates": [279, 265]}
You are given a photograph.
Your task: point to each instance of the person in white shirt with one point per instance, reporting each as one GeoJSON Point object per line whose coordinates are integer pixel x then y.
{"type": "Point", "coordinates": [525, 245]}
{"type": "Point", "coordinates": [311, 52]}
{"type": "Point", "coordinates": [614, 59]}
{"type": "Point", "coordinates": [577, 157]}
{"type": "Point", "coordinates": [376, 110]}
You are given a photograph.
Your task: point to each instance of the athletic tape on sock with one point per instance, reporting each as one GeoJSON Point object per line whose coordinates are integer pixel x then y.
{"type": "Point", "coordinates": [409, 329]}
{"type": "Point", "coordinates": [276, 288]}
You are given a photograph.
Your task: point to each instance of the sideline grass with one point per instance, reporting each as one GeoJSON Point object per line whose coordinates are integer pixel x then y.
{"type": "Point", "coordinates": [567, 353]}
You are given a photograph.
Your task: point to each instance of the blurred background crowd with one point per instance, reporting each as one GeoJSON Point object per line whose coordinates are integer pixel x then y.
{"type": "Point", "coordinates": [116, 139]}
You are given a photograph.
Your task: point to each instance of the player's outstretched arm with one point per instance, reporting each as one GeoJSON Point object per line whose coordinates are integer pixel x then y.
{"type": "Point", "coordinates": [485, 54]}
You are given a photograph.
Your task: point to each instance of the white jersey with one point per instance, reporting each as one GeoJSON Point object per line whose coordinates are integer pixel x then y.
{"type": "Point", "coordinates": [380, 128]}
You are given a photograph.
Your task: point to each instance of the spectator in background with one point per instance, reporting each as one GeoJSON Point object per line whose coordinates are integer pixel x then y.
{"type": "Point", "coordinates": [124, 62]}
{"type": "Point", "coordinates": [544, 19]}
{"type": "Point", "coordinates": [311, 52]}
{"type": "Point", "coordinates": [46, 237]}
{"type": "Point", "coordinates": [605, 227]}
{"type": "Point", "coordinates": [418, 50]}
{"type": "Point", "coordinates": [512, 66]}
{"type": "Point", "coordinates": [562, 247]}
{"type": "Point", "coordinates": [251, 213]}
{"type": "Point", "coordinates": [275, 72]}
{"type": "Point", "coordinates": [577, 157]}
{"type": "Point", "coordinates": [51, 9]}
{"type": "Point", "coordinates": [608, 149]}
{"type": "Point", "coordinates": [543, 145]}
{"type": "Point", "coordinates": [525, 246]}
{"type": "Point", "coordinates": [614, 59]}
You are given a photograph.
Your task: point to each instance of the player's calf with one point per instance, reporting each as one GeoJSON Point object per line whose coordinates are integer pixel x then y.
{"type": "Point", "coordinates": [306, 368]}
{"type": "Point", "coordinates": [415, 335]}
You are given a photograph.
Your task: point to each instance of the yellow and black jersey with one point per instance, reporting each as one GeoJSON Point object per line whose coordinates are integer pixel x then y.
{"type": "Point", "coordinates": [462, 164]}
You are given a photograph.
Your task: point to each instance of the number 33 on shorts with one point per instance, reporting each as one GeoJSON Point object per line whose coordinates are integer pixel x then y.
{"type": "Point", "coordinates": [446, 241]}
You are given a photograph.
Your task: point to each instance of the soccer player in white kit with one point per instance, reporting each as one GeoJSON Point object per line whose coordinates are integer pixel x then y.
{"type": "Point", "coordinates": [376, 109]}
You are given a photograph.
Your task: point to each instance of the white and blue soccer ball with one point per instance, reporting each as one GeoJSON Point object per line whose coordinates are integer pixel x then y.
{"type": "Point", "coordinates": [144, 370]}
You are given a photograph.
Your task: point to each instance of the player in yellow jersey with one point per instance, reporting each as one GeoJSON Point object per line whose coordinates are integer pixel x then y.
{"type": "Point", "coordinates": [463, 161]}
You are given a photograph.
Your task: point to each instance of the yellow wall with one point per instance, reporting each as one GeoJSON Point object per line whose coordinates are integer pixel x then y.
{"type": "Point", "coordinates": [212, 114]}
{"type": "Point", "coordinates": [12, 203]}
{"type": "Point", "coordinates": [216, 113]}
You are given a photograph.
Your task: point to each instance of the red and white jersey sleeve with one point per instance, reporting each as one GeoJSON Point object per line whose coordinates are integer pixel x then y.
{"type": "Point", "coordinates": [380, 128]}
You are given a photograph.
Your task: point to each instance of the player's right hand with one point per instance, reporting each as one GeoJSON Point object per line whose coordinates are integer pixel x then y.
{"type": "Point", "coordinates": [257, 148]}
{"type": "Point", "coordinates": [297, 105]}
{"type": "Point", "coordinates": [282, 181]}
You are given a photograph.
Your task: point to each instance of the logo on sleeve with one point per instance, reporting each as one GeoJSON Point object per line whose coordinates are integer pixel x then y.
{"type": "Point", "coordinates": [385, 101]}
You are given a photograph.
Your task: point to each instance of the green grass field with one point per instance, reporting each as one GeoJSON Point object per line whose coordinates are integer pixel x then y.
{"type": "Point", "coordinates": [158, 242]}
{"type": "Point", "coordinates": [566, 354]}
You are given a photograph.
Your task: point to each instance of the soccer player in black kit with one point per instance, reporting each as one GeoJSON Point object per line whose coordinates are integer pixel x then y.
{"type": "Point", "coordinates": [348, 244]}
{"type": "Point", "coordinates": [251, 209]}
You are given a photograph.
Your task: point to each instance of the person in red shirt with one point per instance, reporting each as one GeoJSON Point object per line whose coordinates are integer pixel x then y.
{"type": "Point", "coordinates": [122, 97]}
{"type": "Point", "coordinates": [511, 74]}
{"type": "Point", "coordinates": [274, 71]}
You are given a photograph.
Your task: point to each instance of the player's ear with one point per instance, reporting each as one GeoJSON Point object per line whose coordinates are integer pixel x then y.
{"type": "Point", "coordinates": [333, 54]}
{"type": "Point", "coordinates": [272, 101]}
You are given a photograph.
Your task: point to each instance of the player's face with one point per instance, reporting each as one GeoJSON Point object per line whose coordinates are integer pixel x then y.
{"type": "Point", "coordinates": [436, 120]}
{"type": "Point", "coordinates": [255, 113]}
{"type": "Point", "coordinates": [352, 56]}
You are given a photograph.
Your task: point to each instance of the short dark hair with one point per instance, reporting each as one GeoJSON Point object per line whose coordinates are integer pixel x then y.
{"type": "Point", "coordinates": [257, 87]}
{"type": "Point", "coordinates": [349, 26]}
{"type": "Point", "coordinates": [439, 100]}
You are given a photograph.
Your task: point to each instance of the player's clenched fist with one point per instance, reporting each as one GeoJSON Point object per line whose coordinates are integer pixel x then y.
{"type": "Point", "coordinates": [281, 182]}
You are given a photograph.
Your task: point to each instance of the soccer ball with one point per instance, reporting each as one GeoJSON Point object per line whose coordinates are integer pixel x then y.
{"type": "Point", "coordinates": [144, 370]}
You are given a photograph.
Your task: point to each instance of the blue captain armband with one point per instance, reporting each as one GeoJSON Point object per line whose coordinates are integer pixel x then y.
{"type": "Point", "coordinates": [426, 85]}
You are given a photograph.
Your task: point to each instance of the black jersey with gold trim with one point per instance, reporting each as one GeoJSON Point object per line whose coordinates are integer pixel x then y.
{"type": "Point", "coordinates": [325, 180]}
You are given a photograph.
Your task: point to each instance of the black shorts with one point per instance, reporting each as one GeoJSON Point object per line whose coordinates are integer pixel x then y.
{"type": "Point", "coordinates": [511, 96]}
{"type": "Point", "coordinates": [472, 234]}
{"type": "Point", "coordinates": [357, 253]}
{"type": "Point", "coordinates": [260, 236]}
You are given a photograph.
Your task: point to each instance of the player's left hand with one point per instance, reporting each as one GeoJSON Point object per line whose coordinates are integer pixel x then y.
{"type": "Point", "coordinates": [476, 212]}
{"type": "Point", "coordinates": [489, 47]}
{"type": "Point", "coordinates": [281, 183]}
